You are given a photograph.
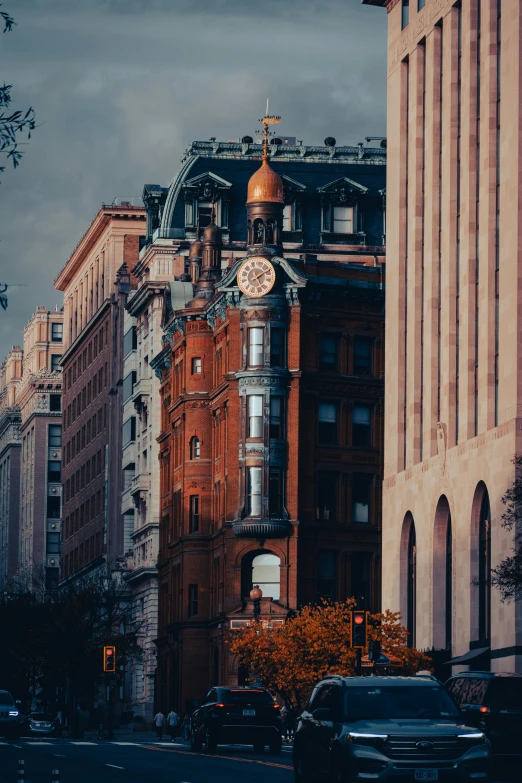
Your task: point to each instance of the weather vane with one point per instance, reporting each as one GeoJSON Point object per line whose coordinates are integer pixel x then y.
{"type": "Point", "coordinates": [3, 289]}
{"type": "Point", "coordinates": [266, 133]}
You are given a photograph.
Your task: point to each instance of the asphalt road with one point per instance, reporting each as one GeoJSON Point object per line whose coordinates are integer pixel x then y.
{"type": "Point", "coordinates": [92, 761]}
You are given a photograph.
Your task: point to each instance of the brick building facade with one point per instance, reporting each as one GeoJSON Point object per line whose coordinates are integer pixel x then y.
{"type": "Point", "coordinates": [95, 284]}
{"type": "Point", "coordinates": [270, 443]}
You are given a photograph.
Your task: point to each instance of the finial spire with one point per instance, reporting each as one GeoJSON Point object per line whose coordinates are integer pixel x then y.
{"type": "Point", "coordinates": [267, 120]}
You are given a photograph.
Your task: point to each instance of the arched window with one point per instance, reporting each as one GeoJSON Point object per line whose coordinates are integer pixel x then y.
{"type": "Point", "coordinates": [442, 576]}
{"type": "Point", "coordinates": [484, 570]}
{"type": "Point", "coordinates": [261, 568]}
{"type": "Point", "coordinates": [194, 448]}
{"type": "Point", "coordinates": [408, 582]}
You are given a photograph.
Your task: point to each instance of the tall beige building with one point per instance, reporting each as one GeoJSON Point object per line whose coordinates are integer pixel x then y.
{"type": "Point", "coordinates": [453, 315]}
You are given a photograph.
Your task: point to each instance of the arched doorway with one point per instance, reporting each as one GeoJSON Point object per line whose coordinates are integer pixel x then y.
{"type": "Point", "coordinates": [263, 568]}
{"type": "Point", "coordinates": [442, 598]}
{"type": "Point", "coordinates": [480, 603]}
{"type": "Point", "coordinates": [408, 581]}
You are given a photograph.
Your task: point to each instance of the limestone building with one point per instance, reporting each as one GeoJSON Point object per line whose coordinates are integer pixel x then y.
{"type": "Point", "coordinates": [10, 448]}
{"type": "Point", "coordinates": [453, 317]}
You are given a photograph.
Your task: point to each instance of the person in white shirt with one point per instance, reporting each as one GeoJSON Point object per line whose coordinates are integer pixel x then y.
{"type": "Point", "coordinates": [159, 722]}
{"type": "Point", "coordinates": [172, 724]}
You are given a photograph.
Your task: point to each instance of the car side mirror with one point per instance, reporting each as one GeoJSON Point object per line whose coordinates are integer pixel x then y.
{"type": "Point", "coordinates": [322, 713]}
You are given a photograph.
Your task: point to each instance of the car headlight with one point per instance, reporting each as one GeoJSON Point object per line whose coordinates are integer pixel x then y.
{"type": "Point", "coordinates": [363, 738]}
{"type": "Point", "coordinates": [13, 713]}
{"type": "Point", "coordinates": [476, 737]}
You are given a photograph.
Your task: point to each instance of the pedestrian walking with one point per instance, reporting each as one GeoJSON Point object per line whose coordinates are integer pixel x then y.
{"type": "Point", "coordinates": [159, 723]}
{"type": "Point", "coordinates": [172, 725]}
{"type": "Point", "coordinates": [186, 726]}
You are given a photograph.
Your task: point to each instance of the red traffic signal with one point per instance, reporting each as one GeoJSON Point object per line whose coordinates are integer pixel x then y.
{"type": "Point", "coordinates": [109, 659]}
{"type": "Point", "coordinates": [359, 629]}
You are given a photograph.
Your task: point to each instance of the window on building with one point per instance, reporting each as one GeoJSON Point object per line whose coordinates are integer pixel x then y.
{"type": "Point", "coordinates": [55, 435]}
{"type": "Point", "coordinates": [55, 361]}
{"type": "Point", "coordinates": [361, 489]}
{"type": "Point", "coordinates": [194, 514]}
{"type": "Point", "coordinates": [275, 493]}
{"type": "Point", "coordinates": [130, 341]}
{"type": "Point", "coordinates": [362, 356]}
{"type": "Point", "coordinates": [420, 4]}
{"type": "Point", "coordinates": [327, 423]}
{"type": "Point", "coordinates": [254, 492]}
{"type": "Point", "coordinates": [329, 352]}
{"type": "Point", "coordinates": [204, 213]}
{"type": "Point", "coordinates": [484, 570]}
{"type": "Point", "coordinates": [195, 449]}
{"type": "Point", "coordinates": [196, 365]}
{"type": "Point", "coordinates": [343, 220]}
{"type": "Point", "coordinates": [193, 600]}
{"type": "Point", "coordinates": [53, 507]}
{"type": "Point", "coordinates": [129, 431]}
{"type": "Point", "coordinates": [54, 472]}
{"type": "Point", "coordinates": [287, 217]}
{"type": "Point", "coordinates": [255, 416]}
{"type": "Point", "coordinates": [361, 568]}
{"type": "Point", "coordinates": [361, 426]}
{"type": "Point", "coordinates": [56, 333]}
{"type": "Point", "coordinates": [52, 543]}
{"type": "Point", "coordinates": [405, 13]}
{"type": "Point", "coordinates": [277, 347]}
{"type": "Point", "coordinates": [128, 385]}
{"type": "Point", "coordinates": [55, 403]}
{"type": "Point", "coordinates": [266, 572]}
{"type": "Point", "coordinates": [327, 495]}
{"type": "Point", "coordinates": [255, 347]}
{"type": "Point", "coordinates": [326, 575]}
{"type": "Point", "coordinates": [276, 417]}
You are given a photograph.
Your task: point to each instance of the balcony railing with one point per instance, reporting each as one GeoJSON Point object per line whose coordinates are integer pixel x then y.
{"type": "Point", "coordinates": [140, 483]}
{"type": "Point", "coordinates": [261, 528]}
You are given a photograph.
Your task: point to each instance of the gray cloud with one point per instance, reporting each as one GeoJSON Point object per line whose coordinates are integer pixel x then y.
{"type": "Point", "coordinates": [121, 88]}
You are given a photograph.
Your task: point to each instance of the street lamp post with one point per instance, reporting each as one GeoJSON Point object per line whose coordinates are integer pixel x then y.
{"type": "Point", "coordinates": [256, 595]}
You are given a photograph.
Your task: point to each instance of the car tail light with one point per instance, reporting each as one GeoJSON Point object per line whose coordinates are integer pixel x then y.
{"type": "Point", "coordinates": [484, 710]}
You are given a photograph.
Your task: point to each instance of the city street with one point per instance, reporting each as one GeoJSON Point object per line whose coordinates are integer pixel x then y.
{"type": "Point", "coordinates": [140, 761]}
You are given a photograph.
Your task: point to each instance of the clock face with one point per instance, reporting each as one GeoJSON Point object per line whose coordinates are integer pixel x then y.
{"type": "Point", "coordinates": [256, 276]}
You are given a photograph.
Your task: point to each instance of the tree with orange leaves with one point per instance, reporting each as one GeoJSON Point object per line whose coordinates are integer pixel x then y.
{"type": "Point", "coordinates": [291, 658]}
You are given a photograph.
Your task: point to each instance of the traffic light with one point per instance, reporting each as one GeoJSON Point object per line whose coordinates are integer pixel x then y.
{"type": "Point", "coordinates": [359, 629]}
{"type": "Point", "coordinates": [109, 659]}
{"type": "Point", "coordinates": [374, 650]}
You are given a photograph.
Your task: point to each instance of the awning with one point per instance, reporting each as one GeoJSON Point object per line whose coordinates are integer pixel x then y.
{"type": "Point", "coordinates": [468, 656]}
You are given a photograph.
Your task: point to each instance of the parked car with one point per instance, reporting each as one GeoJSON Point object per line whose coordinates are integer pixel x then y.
{"type": "Point", "coordinates": [387, 729]}
{"type": "Point", "coordinates": [43, 723]}
{"type": "Point", "coordinates": [9, 716]}
{"type": "Point", "coordinates": [247, 716]}
{"type": "Point", "coordinates": [492, 701]}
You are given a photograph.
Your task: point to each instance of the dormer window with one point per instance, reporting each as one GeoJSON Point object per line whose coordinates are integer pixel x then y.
{"type": "Point", "coordinates": [204, 213]}
{"type": "Point", "coordinates": [341, 212]}
{"type": "Point", "coordinates": [293, 192]}
{"type": "Point", "coordinates": [202, 195]}
{"type": "Point", "coordinates": [287, 217]}
{"type": "Point", "coordinates": [343, 220]}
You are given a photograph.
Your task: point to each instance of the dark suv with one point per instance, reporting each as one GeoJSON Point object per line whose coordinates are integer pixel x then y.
{"type": "Point", "coordinates": [247, 716]}
{"type": "Point", "coordinates": [9, 716]}
{"type": "Point", "coordinates": [492, 701]}
{"type": "Point", "coordinates": [387, 729]}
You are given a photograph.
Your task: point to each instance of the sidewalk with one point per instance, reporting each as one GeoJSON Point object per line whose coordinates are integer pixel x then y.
{"type": "Point", "coordinates": [126, 735]}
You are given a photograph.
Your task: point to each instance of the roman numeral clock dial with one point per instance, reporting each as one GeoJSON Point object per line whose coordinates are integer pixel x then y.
{"type": "Point", "coordinates": [256, 276]}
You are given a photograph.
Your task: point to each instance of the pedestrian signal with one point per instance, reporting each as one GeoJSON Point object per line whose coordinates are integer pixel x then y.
{"type": "Point", "coordinates": [359, 629]}
{"type": "Point", "coordinates": [109, 659]}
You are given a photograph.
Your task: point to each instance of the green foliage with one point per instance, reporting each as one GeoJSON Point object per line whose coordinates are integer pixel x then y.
{"type": "Point", "coordinates": [507, 576]}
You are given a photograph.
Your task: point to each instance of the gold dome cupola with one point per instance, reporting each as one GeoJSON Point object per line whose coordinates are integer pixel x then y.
{"type": "Point", "coordinates": [265, 201]}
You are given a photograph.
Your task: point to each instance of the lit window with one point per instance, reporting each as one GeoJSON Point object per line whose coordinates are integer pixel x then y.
{"type": "Point", "coordinates": [328, 352]}
{"type": "Point", "coordinates": [196, 365]}
{"type": "Point", "coordinates": [255, 416]}
{"type": "Point", "coordinates": [255, 347]}
{"type": "Point", "coordinates": [361, 498]}
{"type": "Point", "coordinates": [343, 220]}
{"type": "Point", "coordinates": [361, 420]}
{"type": "Point", "coordinates": [194, 448]}
{"type": "Point", "coordinates": [287, 217]}
{"type": "Point", "coordinates": [327, 418]}
{"type": "Point", "coordinates": [276, 417]}
{"type": "Point", "coordinates": [194, 513]}
{"type": "Point", "coordinates": [56, 333]}
{"type": "Point", "coordinates": [266, 573]}
{"type": "Point", "coordinates": [254, 492]}
{"type": "Point", "coordinates": [405, 13]}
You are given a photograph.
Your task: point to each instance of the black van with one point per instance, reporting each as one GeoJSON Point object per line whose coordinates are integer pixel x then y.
{"type": "Point", "coordinates": [492, 701]}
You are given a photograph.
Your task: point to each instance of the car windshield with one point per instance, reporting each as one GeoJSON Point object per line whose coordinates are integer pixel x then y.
{"type": "Point", "coordinates": [393, 702]}
{"type": "Point", "coordinates": [248, 696]}
{"type": "Point", "coordinates": [42, 716]}
{"type": "Point", "coordinates": [505, 693]}
{"type": "Point", "coordinates": [6, 698]}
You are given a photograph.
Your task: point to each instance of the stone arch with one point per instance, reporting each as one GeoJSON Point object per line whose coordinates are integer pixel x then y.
{"type": "Point", "coordinates": [248, 567]}
{"type": "Point", "coordinates": [275, 549]}
{"type": "Point", "coordinates": [408, 576]}
{"type": "Point", "coordinates": [480, 566]}
{"type": "Point", "coordinates": [442, 582]}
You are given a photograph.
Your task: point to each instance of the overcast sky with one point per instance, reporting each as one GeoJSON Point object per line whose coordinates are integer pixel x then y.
{"type": "Point", "coordinates": [121, 88]}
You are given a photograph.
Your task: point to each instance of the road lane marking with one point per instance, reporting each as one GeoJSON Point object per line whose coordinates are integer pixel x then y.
{"type": "Point", "coordinates": [59, 756]}
{"type": "Point", "coordinates": [115, 766]}
{"type": "Point", "coordinates": [31, 744]}
{"type": "Point", "coordinates": [84, 743]}
{"type": "Point", "coordinates": [216, 756]}
{"type": "Point", "coordinates": [125, 743]}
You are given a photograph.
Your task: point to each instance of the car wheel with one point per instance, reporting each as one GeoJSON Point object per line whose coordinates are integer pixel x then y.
{"type": "Point", "coordinates": [275, 747]}
{"type": "Point", "coordinates": [195, 743]}
{"type": "Point", "coordinates": [210, 742]}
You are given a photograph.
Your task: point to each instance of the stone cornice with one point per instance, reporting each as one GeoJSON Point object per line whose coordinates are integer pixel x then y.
{"type": "Point", "coordinates": [144, 294]}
